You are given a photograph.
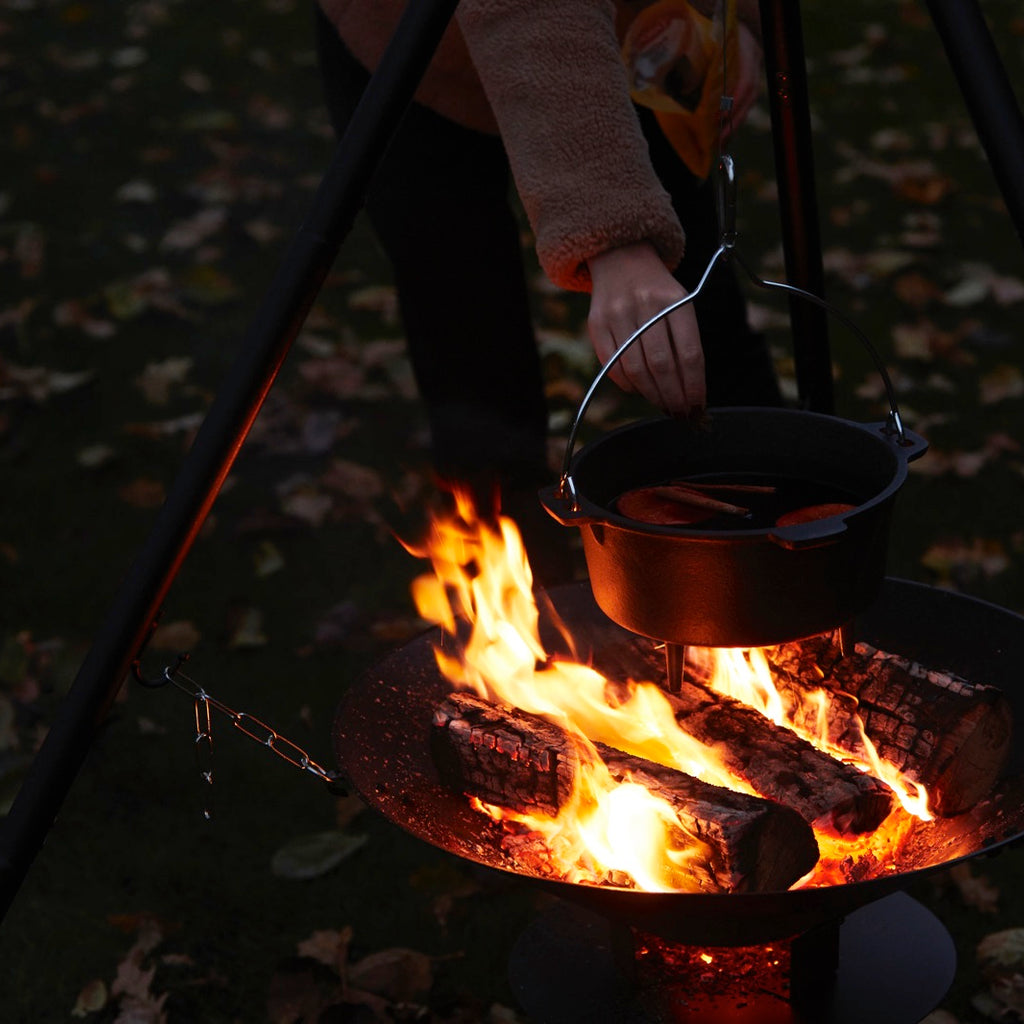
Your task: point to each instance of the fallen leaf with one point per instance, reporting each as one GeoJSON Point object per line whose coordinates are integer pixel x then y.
{"type": "Point", "coordinates": [916, 290]}
{"type": "Point", "coordinates": [180, 635]}
{"type": "Point", "coordinates": [353, 480]}
{"type": "Point", "coordinates": [913, 341]}
{"type": "Point", "coordinates": [1000, 952]}
{"type": "Point", "coordinates": [39, 383]}
{"type": "Point", "coordinates": [308, 506]}
{"type": "Point", "coordinates": [1005, 381]}
{"type": "Point", "coordinates": [74, 313]}
{"type": "Point", "coordinates": [207, 285]}
{"type": "Point", "coordinates": [95, 456]}
{"type": "Point", "coordinates": [157, 379]}
{"type": "Point", "coordinates": [188, 233]}
{"type": "Point", "coordinates": [1000, 959]}
{"type": "Point", "coordinates": [30, 249]}
{"type": "Point", "coordinates": [262, 231]}
{"type": "Point", "coordinates": [320, 429]}
{"type": "Point", "coordinates": [313, 855]}
{"type": "Point", "coordinates": [399, 975]}
{"type": "Point", "coordinates": [153, 289]}
{"type": "Point", "coordinates": [498, 1014]}
{"type": "Point", "coordinates": [976, 891]}
{"type": "Point", "coordinates": [967, 292]}
{"type": "Point", "coordinates": [136, 191]}
{"type": "Point", "coordinates": [143, 493]}
{"type": "Point", "coordinates": [268, 559]}
{"type": "Point", "coordinates": [132, 985]}
{"type": "Point", "coordinates": [157, 429]}
{"type": "Point", "coordinates": [336, 624]}
{"type": "Point", "coordinates": [382, 299]}
{"type": "Point", "coordinates": [328, 947]}
{"type": "Point", "coordinates": [91, 999]}
{"type": "Point", "coordinates": [245, 629]}
{"type": "Point", "coordinates": [334, 375]}
{"type": "Point", "coordinates": [302, 991]}
{"type": "Point", "coordinates": [957, 562]}
{"type": "Point", "coordinates": [928, 189]}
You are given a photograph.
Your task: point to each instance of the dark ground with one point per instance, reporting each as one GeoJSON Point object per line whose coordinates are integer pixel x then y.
{"type": "Point", "coordinates": [156, 157]}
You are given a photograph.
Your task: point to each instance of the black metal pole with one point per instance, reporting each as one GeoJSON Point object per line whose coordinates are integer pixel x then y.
{"type": "Point", "coordinates": [137, 605]}
{"type": "Point", "coordinates": [990, 99]}
{"type": "Point", "coordinates": [786, 75]}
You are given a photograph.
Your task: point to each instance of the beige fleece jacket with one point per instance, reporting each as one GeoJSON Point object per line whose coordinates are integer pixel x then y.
{"type": "Point", "coordinates": [547, 75]}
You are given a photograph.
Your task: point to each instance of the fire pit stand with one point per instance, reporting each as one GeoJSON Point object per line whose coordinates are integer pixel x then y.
{"type": "Point", "coordinates": [890, 962]}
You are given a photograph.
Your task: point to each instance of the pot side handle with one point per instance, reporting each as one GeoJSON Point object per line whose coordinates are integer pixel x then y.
{"type": "Point", "coordinates": [562, 508]}
{"type": "Point", "coordinates": [818, 533]}
{"type": "Point", "coordinates": [908, 445]}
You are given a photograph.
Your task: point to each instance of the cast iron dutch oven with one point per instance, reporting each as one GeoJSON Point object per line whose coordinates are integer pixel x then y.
{"type": "Point", "coordinates": [752, 583]}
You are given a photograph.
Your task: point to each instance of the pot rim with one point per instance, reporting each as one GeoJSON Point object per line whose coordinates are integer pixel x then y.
{"type": "Point", "coordinates": [591, 512]}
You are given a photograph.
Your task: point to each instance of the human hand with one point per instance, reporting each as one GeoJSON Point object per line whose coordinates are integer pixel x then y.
{"type": "Point", "coordinates": [665, 364]}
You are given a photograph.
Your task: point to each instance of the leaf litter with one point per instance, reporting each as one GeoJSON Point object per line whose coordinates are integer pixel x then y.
{"type": "Point", "coordinates": [200, 180]}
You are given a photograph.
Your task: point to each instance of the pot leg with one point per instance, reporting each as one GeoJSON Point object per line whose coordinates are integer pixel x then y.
{"type": "Point", "coordinates": [847, 637]}
{"type": "Point", "coordinates": [675, 659]}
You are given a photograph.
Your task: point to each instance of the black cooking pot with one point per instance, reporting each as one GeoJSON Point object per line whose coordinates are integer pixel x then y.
{"type": "Point", "coordinates": [744, 584]}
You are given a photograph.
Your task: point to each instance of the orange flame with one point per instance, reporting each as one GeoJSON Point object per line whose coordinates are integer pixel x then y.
{"type": "Point", "coordinates": [745, 675]}
{"type": "Point", "coordinates": [481, 591]}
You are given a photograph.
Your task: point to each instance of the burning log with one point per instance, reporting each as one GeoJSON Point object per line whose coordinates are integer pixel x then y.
{"type": "Point", "coordinates": [520, 761]}
{"type": "Point", "coordinates": [951, 736]}
{"type": "Point", "coordinates": [778, 764]}
{"type": "Point", "coordinates": [773, 761]}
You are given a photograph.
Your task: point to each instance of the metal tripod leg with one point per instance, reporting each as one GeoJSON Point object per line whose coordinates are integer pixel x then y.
{"type": "Point", "coordinates": [290, 296]}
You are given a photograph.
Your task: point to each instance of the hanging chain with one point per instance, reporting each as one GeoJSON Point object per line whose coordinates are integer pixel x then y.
{"type": "Point", "coordinates": [248, 724]}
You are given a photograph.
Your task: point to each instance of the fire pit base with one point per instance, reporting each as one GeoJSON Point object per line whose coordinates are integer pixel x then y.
{"type": "Point", "coordinates": [893, 961]}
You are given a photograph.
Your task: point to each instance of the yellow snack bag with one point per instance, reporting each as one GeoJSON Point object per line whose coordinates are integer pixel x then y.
{"type": "Point", "coordinates": [673, 51]}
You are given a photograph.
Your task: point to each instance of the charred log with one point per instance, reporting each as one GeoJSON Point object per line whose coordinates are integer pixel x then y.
{"type": "Point", "coordinates": [517, 760]}
{"type": "Point", "coordinates": [950, 735]}
{"type": "Point", "coordinates": [772, 760]}
{"type": "Point", "coordinates": [778, 764]}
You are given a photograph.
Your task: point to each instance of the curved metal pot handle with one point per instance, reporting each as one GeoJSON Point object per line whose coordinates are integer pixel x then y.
{"type": "Point", "coordinates": [726, 203]}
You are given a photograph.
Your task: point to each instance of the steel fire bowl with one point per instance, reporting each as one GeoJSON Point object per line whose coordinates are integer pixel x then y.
{"type": "Point", "coordinates": [382, 743]}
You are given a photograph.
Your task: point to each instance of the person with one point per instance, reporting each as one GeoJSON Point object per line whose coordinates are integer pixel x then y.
{"type": "Point", "coordinates": [538, 93]}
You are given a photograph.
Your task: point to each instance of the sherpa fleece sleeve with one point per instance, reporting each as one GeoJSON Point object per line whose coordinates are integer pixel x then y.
{"type": "Point", "coordinates": [555, 80]}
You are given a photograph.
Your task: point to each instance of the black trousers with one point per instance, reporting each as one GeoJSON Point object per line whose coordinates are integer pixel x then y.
{"type": "Point", "coordinates": [440, 205]}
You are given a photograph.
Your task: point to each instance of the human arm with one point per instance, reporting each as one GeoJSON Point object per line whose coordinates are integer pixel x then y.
{"type": "Point", "coordinates": [602, 220]}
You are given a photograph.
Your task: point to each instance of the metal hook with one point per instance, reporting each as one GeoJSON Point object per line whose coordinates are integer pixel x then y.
{"type": "Point", "coordinates": [168, 674]}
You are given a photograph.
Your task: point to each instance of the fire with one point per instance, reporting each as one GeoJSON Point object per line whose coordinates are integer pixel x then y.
{"type": "Point", "coordinates": [481, 593]}
{"type": "Point", "coordinates": [744, 675]}
{"type": "Point", "coordinates": [611, 829]}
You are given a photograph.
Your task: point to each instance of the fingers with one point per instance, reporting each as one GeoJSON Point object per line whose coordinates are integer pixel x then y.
{"type": "Point", "coordinates": [665, 365]}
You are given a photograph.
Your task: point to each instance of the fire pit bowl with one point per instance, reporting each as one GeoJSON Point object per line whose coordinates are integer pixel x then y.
{"type": "Point", "coordinates": [752, 583]}
{"type": "Point", "coordinates": [382, 741]}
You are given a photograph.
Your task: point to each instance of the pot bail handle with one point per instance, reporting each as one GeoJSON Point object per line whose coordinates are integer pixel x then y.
{"type": "Point", "coordinates": [725, 196]}
{"type": "Point", "coordinates": [566, 490]}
